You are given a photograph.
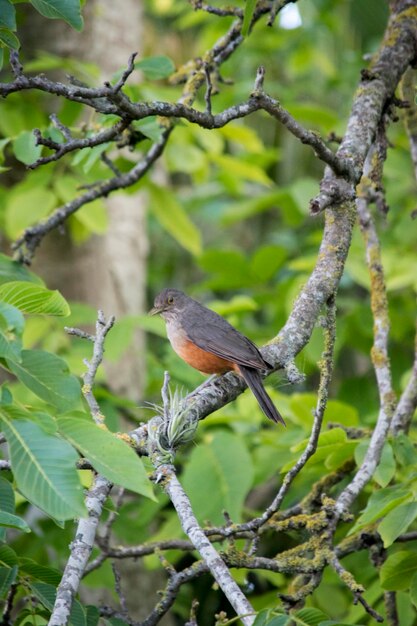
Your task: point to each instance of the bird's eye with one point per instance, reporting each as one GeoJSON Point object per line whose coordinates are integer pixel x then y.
{"type": "Point", "coordinates": [170, 300]}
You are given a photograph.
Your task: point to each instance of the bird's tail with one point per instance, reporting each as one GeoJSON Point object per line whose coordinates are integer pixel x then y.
{"type": "Point", "coordinates": [254, 381]}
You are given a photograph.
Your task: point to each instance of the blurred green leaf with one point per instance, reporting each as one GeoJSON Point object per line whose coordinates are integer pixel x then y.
{"type": "Point", "coordinates": [67, 10]}
{"type": "Point", "coordinates": [174, 219]}
{"type": "Point", "coordinates": [250, 6]}
{"type": "Point", "coordinates": [240, 169]}
{"type": "Point", "coordinates": [7, 15]}
{"type": "Point", "coordinates": [25, 148]}
{"type": "Point", "coordinates": [413, 589]}
{"type": "Point", "coordinates": [27, 207]}
{"type": "Point", "coordinates": [221, 467]}
{"type": "Point", "coordinates": [43, 466]}
{"type": "Point", "coordinates": [386, 467]}
{"type": "Point", "coordinates": [156, 67]}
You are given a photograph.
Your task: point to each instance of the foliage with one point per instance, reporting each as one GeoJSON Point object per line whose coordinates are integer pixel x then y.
{"type": "Point", "coordinates": [230, 226]}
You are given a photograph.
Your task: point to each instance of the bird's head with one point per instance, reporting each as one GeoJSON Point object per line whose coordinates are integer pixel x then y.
{"type": "Point", "coordinates": [169, 301]}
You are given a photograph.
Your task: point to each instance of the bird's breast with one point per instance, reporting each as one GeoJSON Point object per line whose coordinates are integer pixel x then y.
{"type": "Point", "coordinates": [201, 360]}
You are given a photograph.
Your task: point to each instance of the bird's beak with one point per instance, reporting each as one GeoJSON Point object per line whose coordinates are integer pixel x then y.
{"type": "Point", "coordinates": [155, 310]}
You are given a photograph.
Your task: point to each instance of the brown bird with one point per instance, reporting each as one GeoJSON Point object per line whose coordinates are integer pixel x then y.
{"type": "Point", "coordinates": [207, 342]}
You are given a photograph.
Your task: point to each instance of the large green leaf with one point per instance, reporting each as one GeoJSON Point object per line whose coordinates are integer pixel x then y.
{"type": "Point", "coordinates": [174, 219]}
{"type": "Point", "coordinates": [35, 299]}
{"type": "Point", "coordinates": [12, 270]}
{"type": "Point", "coordinates": [396, 522]}
{"type": "Point", "coordinates": [397, 571]}
{"type": "Point", "coordinates": [218, 477]}
{"type": "Point", "coordinates": [48, 377]}
{"type": "Point", "coordinates": [110, 456]}
{"type": "Point", "coordinates": [43, 466]}
{"type": "Point", "coordinates": [67, 10]}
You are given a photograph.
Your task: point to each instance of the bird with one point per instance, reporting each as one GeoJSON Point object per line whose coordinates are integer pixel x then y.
{"type": "Point", "coordinates": [207, 342]}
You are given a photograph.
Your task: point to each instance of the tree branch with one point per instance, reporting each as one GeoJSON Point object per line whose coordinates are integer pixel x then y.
{"type": "Point", "coordinates": [85, 533]}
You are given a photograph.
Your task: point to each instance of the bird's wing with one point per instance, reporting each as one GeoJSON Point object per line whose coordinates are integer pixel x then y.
{"type": "Point", "coordinates": [221, 339]}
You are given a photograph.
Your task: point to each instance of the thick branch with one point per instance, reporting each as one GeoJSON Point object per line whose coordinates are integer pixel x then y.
{"type": "Point", "coordinates": [214, 562]}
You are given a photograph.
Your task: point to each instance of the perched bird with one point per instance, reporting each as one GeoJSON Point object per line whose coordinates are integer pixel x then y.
{"type": "Point", "coordinates": [207, 342]}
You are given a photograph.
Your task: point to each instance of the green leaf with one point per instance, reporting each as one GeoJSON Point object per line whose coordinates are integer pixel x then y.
{"type": "Point", "coordinates": [156, 67]}
{"type": "Point", "coordinates": [46, 574]}
{"type": "Point", "coordinates": [413, 590]}
{"type": "Point", "coordinates": [385, 471]}
{"type": "Point", "coordinates": [9, 39]}
{"type": "Point", "coordinates": [48, 377]}
{"type": "Point", "coordinates": [110, 456]}
{"type": "Point", "coordinates": [174, 219]}
{"type": "Point", "coordinates": [26, 207]}
{"type": "Point", "coordinates": [43, 466]}
{"type": "Point", "coordinates": [396, 522]}
{"type": "Point", "coordinates": [241, 169]}
{"type": "Point", "coordinates": [404, 450]}
{"type": "Point", "coordinates": [13, 521]}
{"type": "Point", "coordinates": [7, 578]}
{"type": "Point", "coordinates": [25, 149]}
{"type": "Point", "coordinates": [10, 345]}
{"type": "Point", "coordinates": [308, 617]}
{"type": "Point", "coordinates": [2, 169]}
{"type": "Point", "coordinates": [7, 555]}
{"type": "Point", "coordinates": [150, 127]}
{"type": "Point", "coordinates": [379, 504]}
{"type": "Point", "coordinates": [12, 270]}
{"type": "Point", "coordinates": [34, 299]}
{"type": "Point", "coordinates": [47, 595]}
{"type": "Point", "coordinates": [7, 15]}
{"type": "Point", "coordinates": [15, 322]}
{"type": "Point", "coordinates": [250, 6]}
{"type": "Point", "coordinates": [221, 467]}
{"type": "Point", "coordinates": [93, 217]}
{"type": "Point", "coordinates": [67, 10]}
{"type": "Point", "coordinates": [6, 496]}
{"type": "Point", "coordinates": [398, 570]}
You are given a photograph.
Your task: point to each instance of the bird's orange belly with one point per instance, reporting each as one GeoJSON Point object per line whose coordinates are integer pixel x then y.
{"type": "Point", "coordinates": [205, 362]}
